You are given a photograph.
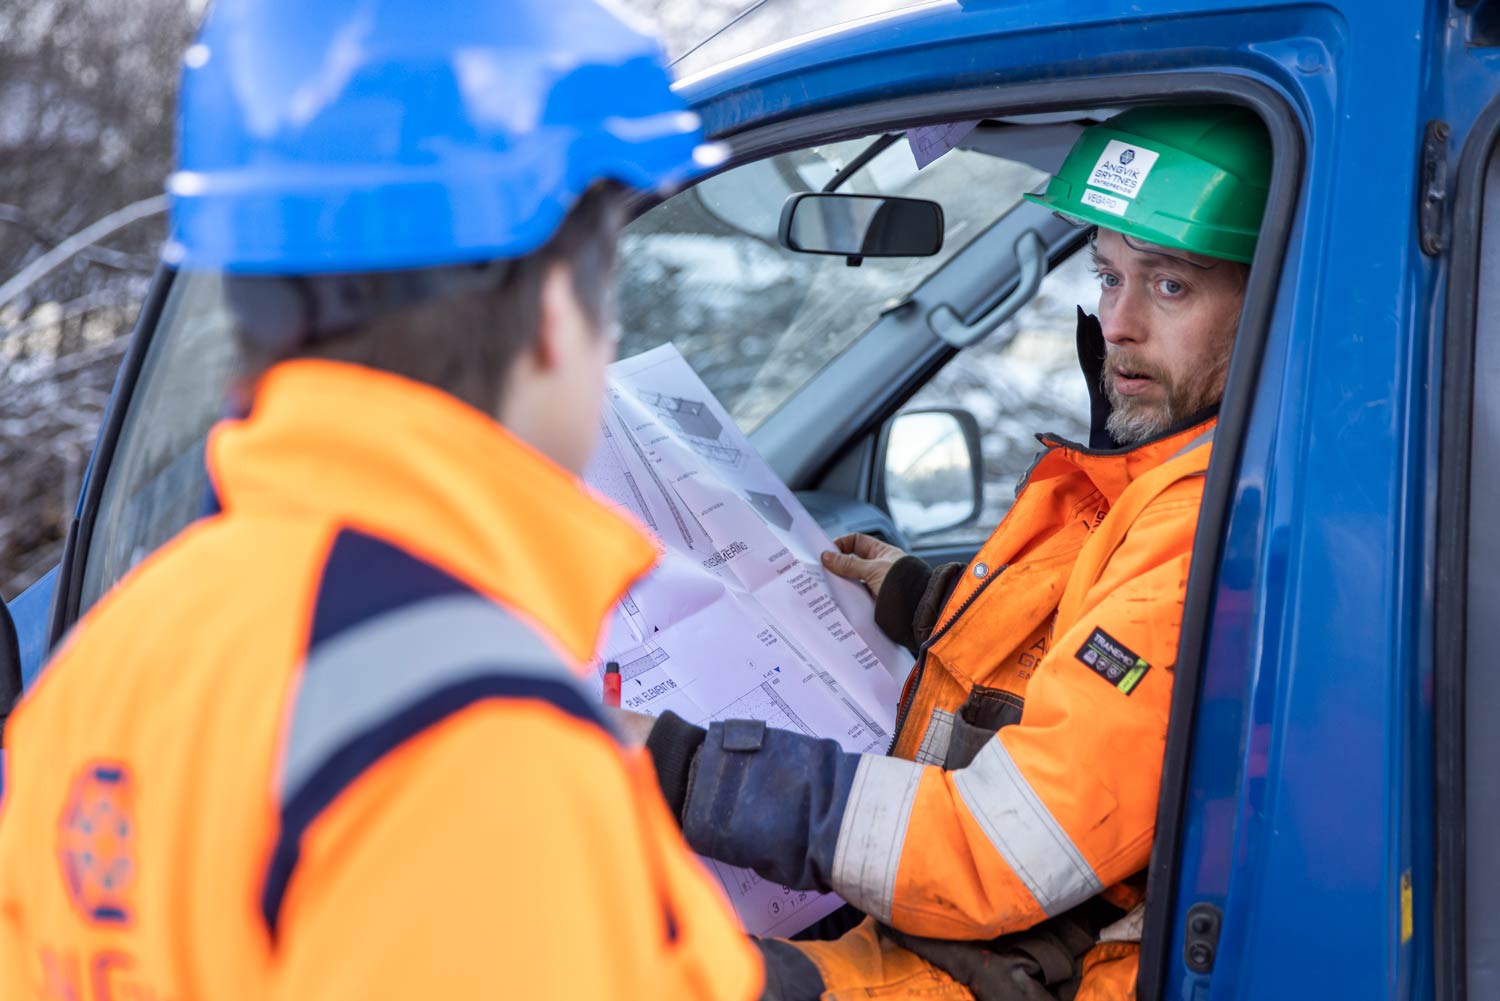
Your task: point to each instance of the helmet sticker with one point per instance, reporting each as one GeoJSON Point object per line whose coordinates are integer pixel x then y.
{"type": "Point", "coordinates": [1122, 168]}
{"type": "Point", "coordinates": [1103, 202]}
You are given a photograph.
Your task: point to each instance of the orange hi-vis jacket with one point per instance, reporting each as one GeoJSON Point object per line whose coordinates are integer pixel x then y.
{"type": "Point", "coordinates": [1062, 636]}
{"type": "Point", "coordinates": [1024, 776]}
{"type": "Point", "coordinates": [331, 743]}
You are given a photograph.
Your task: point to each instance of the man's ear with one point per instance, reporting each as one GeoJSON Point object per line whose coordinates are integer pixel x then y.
{"type": "Point", "coordinates": [557, 311]}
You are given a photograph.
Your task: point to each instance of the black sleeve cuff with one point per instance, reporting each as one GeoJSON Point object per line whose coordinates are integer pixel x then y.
{"type": "Point", "coordinates": [673, 744]}
{"type": "Point", "coordinates": [896, 605]}
{"type": "Point", "coordinates": [940, 587]}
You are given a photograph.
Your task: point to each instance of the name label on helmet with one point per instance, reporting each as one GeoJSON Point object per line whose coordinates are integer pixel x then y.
{"type": "Point", "coordinates": [1123, 168]}
{"type": "Point", "coordinates": [1103, 202]}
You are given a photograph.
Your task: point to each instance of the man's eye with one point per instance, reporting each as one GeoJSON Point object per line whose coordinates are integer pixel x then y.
{"type": "Point", "coordinates": [1108, 280]}
{"type": "Point", "coordinates": [1169, 287]}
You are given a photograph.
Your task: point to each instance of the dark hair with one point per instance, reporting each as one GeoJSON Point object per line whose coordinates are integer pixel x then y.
{"type": "Point", "coordinates": [458, 328]}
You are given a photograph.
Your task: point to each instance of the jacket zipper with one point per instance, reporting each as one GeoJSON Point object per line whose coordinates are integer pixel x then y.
{"type": "Point", "coordinates": [916, 682]}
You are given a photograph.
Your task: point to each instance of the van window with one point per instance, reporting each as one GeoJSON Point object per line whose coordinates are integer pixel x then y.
{"type": "Point", "coordinates": [1482, 797]}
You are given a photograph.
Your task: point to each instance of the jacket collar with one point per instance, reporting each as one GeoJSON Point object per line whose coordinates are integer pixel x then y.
{"type": "Point", "coordinates": [1199, 421]}
{"type": "Point", "coordinates": [1112, 470]}
{"type": "Point", "coordinates": [417, 467]}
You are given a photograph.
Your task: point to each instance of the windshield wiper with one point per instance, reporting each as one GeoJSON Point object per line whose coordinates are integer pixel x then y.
{"type": "Point", "coordinates": [869, 153]}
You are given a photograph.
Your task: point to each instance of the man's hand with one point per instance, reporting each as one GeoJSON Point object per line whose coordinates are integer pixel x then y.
{"type": "Point", "coordinates": [634, 727]}
{"type": "Point", "coordinates": [862, 558]}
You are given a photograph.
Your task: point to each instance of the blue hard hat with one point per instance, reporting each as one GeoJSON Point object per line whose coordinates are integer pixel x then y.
{"type": "Point", "coordinates": [321, 136]}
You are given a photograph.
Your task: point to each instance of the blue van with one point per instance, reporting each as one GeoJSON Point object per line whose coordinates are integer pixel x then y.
{"type": "Point", "coordinates": [1329, 796]}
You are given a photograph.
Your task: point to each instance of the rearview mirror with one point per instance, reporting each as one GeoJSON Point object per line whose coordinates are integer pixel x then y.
{"type": "Point", "coordinates": [932, 470]}
{"type": "Point", "coordinates": [860, 226]}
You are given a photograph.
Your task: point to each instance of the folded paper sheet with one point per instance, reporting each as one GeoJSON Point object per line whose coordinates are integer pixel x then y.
{"type": "Point", "coordinates": [738, 620]}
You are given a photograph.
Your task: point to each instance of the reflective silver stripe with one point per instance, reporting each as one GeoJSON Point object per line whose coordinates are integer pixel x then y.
{"type": "Point", "coordinates": [1202, 439]}
{"type": "Point", "coordinates": [358, 678]}
{"type": "Point", "coordinates": [1024, 831]}
{"type": "Point", "coordinates": [934, 749]}
{"type": "Point", "coordinates": [873, 831]}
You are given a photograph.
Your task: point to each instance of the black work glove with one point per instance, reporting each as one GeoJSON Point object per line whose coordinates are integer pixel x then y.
{"type": "Point", "coordinates": [1091, 360]}
{"type": "Point", "coordinates": [673, 744]}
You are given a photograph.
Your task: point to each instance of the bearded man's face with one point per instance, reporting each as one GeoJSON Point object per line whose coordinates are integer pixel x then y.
{"type": "Point", "coordinates": [1169, 319]}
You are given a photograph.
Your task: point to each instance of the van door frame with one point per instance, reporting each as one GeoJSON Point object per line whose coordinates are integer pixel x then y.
{"type": "Point", "coordinates": [1288, 151]}
{"type": "Point", "coordinates": [1451, 590]}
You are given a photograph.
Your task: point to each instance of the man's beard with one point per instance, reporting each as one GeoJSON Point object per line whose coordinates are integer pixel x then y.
{"type": "Point", "coordinates": [1133, 419]}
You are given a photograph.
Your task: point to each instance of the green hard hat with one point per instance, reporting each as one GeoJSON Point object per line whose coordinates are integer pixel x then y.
{"type": "Point", "coordinates": [1193, 178]}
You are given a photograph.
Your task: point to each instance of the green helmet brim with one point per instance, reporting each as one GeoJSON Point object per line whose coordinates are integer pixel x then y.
{"type": "Point", "coordinates": [1160, 229]}
{"type": "Point", "coordinates": [1193, 179]}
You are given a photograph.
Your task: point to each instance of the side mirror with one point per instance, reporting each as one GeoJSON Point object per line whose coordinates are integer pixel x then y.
{"type": "Point", "coordinates": [932, 470]}
{"type": "Point", "coordinates": [860, 226]}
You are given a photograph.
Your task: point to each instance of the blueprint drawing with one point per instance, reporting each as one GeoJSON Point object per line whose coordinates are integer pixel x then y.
{"type": "Point", "coordinates": [738, 619]}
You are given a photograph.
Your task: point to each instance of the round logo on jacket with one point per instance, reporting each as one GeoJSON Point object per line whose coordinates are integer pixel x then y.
{"type": "Point", "coordinates": [95, 843]}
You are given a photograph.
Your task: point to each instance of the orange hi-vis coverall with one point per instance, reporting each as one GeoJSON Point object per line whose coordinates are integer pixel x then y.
{"type": "Point", "coordinates": [330, 743]}
{"type": "Point", "coordinates": [1024, 776]}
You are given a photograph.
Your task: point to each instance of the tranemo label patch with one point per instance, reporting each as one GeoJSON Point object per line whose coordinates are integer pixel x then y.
{"type": "Point", "coordinates": [1113, 661]}
{"type": "Point", "coordinates": [1122, 168]}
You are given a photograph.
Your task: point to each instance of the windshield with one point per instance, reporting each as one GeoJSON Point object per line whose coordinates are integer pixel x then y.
{"type": "Point", "coordinates": [157, 482]}
{"type": "Point", "coordinates": [757, 321]}
{"type": "Point", "coordinates": [703, 270]}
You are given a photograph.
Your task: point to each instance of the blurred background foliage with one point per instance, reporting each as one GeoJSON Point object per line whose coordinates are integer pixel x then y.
{"type": "Point", "coordinates": [87, 97]}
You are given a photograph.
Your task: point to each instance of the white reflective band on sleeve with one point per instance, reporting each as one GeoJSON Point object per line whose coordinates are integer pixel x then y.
{"type": "Point", "coordinates": [873, 831]}
{"type": "Point", "coordinates": [1024, 831]}
{"type": "Point", "coordinates": [934, 749]}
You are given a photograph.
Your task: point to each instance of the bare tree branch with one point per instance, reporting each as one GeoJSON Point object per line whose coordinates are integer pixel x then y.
{"type": "Point", "coordinates": [60, 254]}
{"type": "Point", "coordinates": [12, 215]}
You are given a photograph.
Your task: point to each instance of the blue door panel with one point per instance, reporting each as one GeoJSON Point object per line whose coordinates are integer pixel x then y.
{"type": "Point", "coordinates": [31, 610]}
{"type": "Point", "coordinates": [945, 47]}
